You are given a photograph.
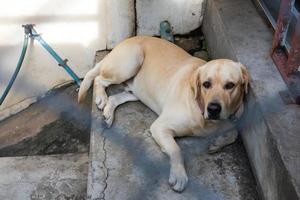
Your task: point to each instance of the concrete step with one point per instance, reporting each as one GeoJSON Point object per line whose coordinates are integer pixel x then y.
{"type": "Point", "coordinates": [44, 177]}
{"type": "Point", "coordinates": [126, 163]}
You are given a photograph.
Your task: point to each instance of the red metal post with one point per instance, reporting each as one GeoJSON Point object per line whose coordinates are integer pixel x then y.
{"type": "Point", "coordinates": [293, 61]}
{"type": "Point", "coordinates": [287, 64]}
{"type": "Point", "coordinates": [282, 23]}
{"type": "Point", "coordinates": [278, 53]}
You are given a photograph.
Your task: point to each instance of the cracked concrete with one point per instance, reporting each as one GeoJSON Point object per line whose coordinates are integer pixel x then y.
{"type": "Point", "coordinates": [44, 177]}
{"type": "Point", "coordinates": [98, 172]}
{"type": "Point", "coordinates": [104, 164]}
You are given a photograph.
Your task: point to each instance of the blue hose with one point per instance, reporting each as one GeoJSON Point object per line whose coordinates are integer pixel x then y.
{"type": "Point", "coordinates": [14, 76]}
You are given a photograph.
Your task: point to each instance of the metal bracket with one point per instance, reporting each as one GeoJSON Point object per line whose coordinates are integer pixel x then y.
{"type": "Point", "coordinates": [65, 62]}
{"type": "Point", "coordinates": [28, 30]}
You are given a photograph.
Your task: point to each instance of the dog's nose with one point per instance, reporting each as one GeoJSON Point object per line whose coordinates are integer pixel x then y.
{"type": "Point", "coordinates": [214, 110]}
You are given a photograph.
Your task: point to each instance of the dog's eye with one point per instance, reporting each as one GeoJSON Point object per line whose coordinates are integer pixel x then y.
{"type": "Point", "coordinates": [206, 84]}
{"type": "Point", "coordinates": [229, 86]}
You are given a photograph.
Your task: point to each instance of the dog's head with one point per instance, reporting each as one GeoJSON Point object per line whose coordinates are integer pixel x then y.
{"type": "Point", "coordinates": [219, 87]}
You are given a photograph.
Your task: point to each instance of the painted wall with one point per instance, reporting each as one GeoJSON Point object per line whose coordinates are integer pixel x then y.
{"type": "Point", "coordinates": [183, 15]}
{"type": "Point", "coordinates": [76, 29]}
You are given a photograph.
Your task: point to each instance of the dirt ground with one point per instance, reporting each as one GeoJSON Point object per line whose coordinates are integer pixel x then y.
{"type": "Point", "coordinates": [55, 124]}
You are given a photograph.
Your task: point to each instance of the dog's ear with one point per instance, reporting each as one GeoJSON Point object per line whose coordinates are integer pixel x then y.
{"type": "Point", "coordinates": [196, 88]}
{"type": "Point", "coordinates": [195, 83]}
{"type": "Point", "coordinates": [246, 77]}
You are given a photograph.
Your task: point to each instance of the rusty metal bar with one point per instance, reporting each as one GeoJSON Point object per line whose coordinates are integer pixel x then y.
{"type": "Point", "coordinates": [280, 58]}
{"type": "Point", "coordinates": [287, 62]}
{"type": "Point", "coordinates": [293, 61]}
{"type": "Point", "coordinates": [282, 24]}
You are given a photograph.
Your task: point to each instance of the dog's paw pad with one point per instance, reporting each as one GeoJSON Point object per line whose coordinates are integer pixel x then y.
{"type": "Point", "coordinates": [102, 104]}
{"type": "Point", "coordinates": [108, 122]}
{"type": "Point", "coordinates": [97, 100]}
{"type": "Point", "coordinates": [179, 186]}
{"type": "Point", "coordinates": [172, 181]}
{"type": "Point", "coordinates": [178, 182]}
{"type": "Point", "coordinates": [105, 124]}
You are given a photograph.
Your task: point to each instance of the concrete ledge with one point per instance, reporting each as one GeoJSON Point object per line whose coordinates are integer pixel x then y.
{"type": "Point", "coordinates": [234, 30]}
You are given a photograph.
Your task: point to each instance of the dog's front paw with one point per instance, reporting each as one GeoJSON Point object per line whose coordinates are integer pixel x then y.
{"type": "Point", "coordinates": [108, 112]}
{"type": "Point", "coordinates": [106, 123]}
{"type": "Point", "coordinates": [178, 179]}
{"type": "Point", "coordinates": [108, 120]}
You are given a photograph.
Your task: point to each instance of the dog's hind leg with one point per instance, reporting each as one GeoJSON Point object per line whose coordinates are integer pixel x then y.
{"type": "Point", "coordinates": [100, 93]}
{"type": "Point", "coordinates": [120, 65]}
{"type": "Point", "coordinates": [113, 102]}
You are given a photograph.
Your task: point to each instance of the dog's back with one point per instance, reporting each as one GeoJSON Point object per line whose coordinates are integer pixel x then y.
{"type": "Point", "coordinates": [163, 61]}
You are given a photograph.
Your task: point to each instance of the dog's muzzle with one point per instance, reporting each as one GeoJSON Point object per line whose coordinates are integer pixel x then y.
{"type": "Point", "coordinates": [214, 109]}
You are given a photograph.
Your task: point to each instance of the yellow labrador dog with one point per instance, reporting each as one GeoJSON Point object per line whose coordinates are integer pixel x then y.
{"type": "Point", "coordinates": [192, 97]}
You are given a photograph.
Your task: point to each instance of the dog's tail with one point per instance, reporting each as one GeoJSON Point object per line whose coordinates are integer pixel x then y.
{"type": "Point", "coordinates": [87, 81]}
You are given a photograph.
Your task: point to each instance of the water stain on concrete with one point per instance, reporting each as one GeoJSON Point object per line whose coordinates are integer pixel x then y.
{"type": "Point", "coordinates": [55, 124]}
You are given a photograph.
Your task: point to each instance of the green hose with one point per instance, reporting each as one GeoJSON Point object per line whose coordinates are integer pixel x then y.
{"type": "Point", "coordinates": [14, 76]}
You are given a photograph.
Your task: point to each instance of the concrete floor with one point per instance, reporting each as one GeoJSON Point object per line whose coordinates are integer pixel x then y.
{"type": "Point", "coordinates": [43, 177]}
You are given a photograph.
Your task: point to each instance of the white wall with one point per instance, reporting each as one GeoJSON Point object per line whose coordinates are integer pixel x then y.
{"type": "Point", "coordinates": [76, 29]}
{"type": "Point", "coordinates": [183, 15]}
{"type": "Point", "coordinates": [120, 21]}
